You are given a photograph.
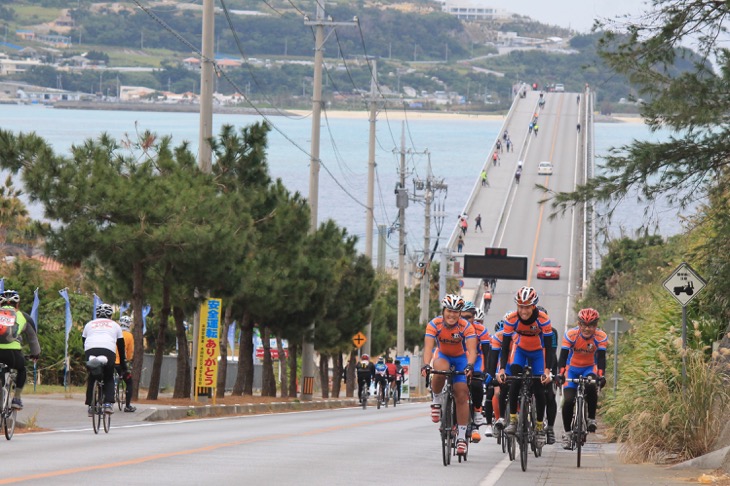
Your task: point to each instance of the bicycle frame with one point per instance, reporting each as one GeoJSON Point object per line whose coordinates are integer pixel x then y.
{"type": "Point", "coordinates": [579, 425]}
{"type": "Point", "coordinates": [525, 433]}
{"type": "Point", "coordinates": [448, 426]}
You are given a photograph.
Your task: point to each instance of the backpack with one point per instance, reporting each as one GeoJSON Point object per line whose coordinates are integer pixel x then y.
{"type": "Point", "coordinates": [8, 325]}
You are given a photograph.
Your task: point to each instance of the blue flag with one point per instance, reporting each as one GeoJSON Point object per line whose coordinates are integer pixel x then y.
{"type": "Point", "coordinates": [97, 303]}
{"type": "Point", "coordinates": [231, 338]}
{"type": "Point", "coordinates": [145, 311]}
{"type": "Point", "coordinates": [69, 321]}
{"type": "Point", "coordinates": [2, 284]}
{"type": "Point", "coordinates": [123, 308]}
{"type": "Point", "coordinates": [34, 310]}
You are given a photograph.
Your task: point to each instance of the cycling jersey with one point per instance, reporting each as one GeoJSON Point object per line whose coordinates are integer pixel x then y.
{"type": "Point", "coordinates": [484, 343]}
{"type": "Point", "coordinates": [529, 334]}
{"type": "Point", "coordinates": [381, 369]}
{"type": "Point", "coordinates": [582, 352]}
{"type": "Point", "coordinates": [392, 371]}
{"type": "Point", "coordinates": [451, 341]}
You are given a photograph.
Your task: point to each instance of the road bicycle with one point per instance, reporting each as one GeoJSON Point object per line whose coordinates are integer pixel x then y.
{"type": "Point", "coordinates": [381, 394]}
{"type": "Point", "coordinates": [364, 395]}
{"type": "Point", "coordinates": [99, 418]}
{"type": "Point", "coordinates": [448, 428]}
{"type": "Point", "coordinates": [579, 425]}
{"type": "Point", "coordinates": [8, 414]}
{"type": "Point", "coordinates": [526, 433]}
{"type": "Point", "coordinates": [120, 390]}
{"type": "Point", "coordinates": [393, 392]}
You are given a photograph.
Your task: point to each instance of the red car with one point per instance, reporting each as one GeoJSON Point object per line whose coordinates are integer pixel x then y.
{"type": "Point", "coordinates": [548, 268]}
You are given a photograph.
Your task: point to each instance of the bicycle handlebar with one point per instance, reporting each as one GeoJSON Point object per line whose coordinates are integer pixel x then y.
{"type": "Point", "coordinates": [447, 372]}
{"type": "Point", "coordinates": [586, 380]}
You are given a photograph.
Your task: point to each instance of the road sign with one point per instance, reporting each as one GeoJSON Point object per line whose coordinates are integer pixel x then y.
{"type": "Point", "coordinates": [359, 339]}
{"type": "Point", "coordinates": [461, 283]}
{"type": "Point", "coordinates": [508, 268]}
{"type": "Point", "coordinates": [684, 284]}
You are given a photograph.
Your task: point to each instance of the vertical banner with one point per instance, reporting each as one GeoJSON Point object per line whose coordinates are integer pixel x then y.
{"type": "Point", "coordinates": [405, 386]}
{"type": "Point", "coordinates": [232, 339]}
{"type": "Point", "coordinates": [34, 310]}
{"type": "Point", "coordinates": [2, 284]}
{"type": "Point", "coordinates": [145, 312]}
{"type": "Point", "coordinates": [69, 321]}
{"type": "Point", "coordinates": [123, 307]}
{"type": "Point", "coordinates": [209, 343]}
{"type": "Point", "coordinates": [97, 303]}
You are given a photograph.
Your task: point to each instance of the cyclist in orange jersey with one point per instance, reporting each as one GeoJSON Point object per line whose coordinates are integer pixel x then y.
{"type": "Point", "coordinates": [456, 342]}
{"type": "Point", "coordinates": [584, 350]}
{"type": "Point", "coordinates": [476, 385]}
{"type": "Point", "coordinates": [532, 332]}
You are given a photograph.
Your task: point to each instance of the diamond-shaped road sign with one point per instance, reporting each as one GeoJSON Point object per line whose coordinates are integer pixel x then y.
{"type": "Point", "coordinates": [684, 284]}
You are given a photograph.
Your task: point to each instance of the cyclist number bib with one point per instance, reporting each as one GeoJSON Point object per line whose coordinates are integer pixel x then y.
{"type": "Point", "coordinates": [8, 326]}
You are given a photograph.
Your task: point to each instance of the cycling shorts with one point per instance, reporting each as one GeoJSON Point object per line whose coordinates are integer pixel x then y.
{"type": "Point", "coordinates": [459, 363]}
{"type": "Point", "coordinates": [536, 360]}
{"type": "Point", "coordinates": [574, 372]}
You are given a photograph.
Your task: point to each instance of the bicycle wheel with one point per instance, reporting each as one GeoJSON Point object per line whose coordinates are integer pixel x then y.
{"type": "Point", "coordinates": [364, 398]}
{"type": "Point", "coordinates": [120, 392]}
{"type": "Point", "coordinates": [447, 430]}
{"type": "Point", "coordinates": [97, 408]}
{"type": "Point", "coordinates": [537, 450]}
{"type": "Point", "coordinates": [386, 395]}
{"type": "Point", "coordinates": [395, 397]}
{"type": "Point", "coordinates": [511, 446]}
{"type": "Point", "coordinates": [107, 419]}
{"type": "Point", "coordinates": [578, 431]}
{"type": "Point", "coordinates": [378, 396]}
{"type": "Point", "coordinates": [9, 414]}
{"type": "Point", "coordinates": [523, 431]}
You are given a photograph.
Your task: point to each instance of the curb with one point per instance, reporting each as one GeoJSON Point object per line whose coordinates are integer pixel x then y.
{"type": "Point", "coordinates": [200, 411]}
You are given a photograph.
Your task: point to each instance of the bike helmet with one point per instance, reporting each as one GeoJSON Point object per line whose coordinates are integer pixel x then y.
{"type": "Point", "coordinates": [479, 316]}
{"type": "Point", "coordinates": [9, 297]}
{"type": "Point", "coordinates": [542, 309]}
{"type": "Point", "coordinates": [453, 302]}
{"type": "Point", "coordinates": [125, 322]}
{"type": "Point", "coordinates": [499, 326]}
{"type": "Point", "coordinates": [526, 296]}
{"type": "Point", "coordinates": [365, 357]}
{"type": "Point", "coordinates": [469, 307]}
{"type": "Point", "coordinates": [588, 316]}
{"type": "Point", "coordinates": [104, 311]}
{"type": "Point", "coordinates": [381, 360]}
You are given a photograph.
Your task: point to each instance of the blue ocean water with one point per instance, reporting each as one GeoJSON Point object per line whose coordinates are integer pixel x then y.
{"type": "Point", "coordinates": [456, 149]}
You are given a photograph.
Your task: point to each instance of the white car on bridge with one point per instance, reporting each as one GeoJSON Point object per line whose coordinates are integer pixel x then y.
{"type": "Point", "coordinates": [545, 168]}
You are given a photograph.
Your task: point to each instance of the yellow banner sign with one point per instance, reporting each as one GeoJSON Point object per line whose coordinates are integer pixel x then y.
{"type": "Point", "coordinates": [209, 342]}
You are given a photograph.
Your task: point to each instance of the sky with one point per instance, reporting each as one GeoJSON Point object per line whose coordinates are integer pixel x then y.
{"type": "Point", "coordinates": [576, 14]}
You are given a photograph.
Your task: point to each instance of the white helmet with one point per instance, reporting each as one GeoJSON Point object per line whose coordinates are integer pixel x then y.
{"type": "Point", "coordinates": [104, 311]}
{"type": "Point", "coordinates": [125, 322]}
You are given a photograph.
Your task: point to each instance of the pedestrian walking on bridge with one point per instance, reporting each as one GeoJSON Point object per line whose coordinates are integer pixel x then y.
{"type": "Point", "coordinates": [478, 223]}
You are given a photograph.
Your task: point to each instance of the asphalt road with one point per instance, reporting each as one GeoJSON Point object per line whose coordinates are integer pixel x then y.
{"type": "Point", "coordinates": [330, 447]}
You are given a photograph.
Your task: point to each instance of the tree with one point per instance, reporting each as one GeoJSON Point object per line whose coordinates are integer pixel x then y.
{"type": "Point", "coordinates": [685, 95]}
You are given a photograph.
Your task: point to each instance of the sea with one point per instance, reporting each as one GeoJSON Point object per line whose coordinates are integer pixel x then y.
{"type": "Point", "coordinates": [453, 150]}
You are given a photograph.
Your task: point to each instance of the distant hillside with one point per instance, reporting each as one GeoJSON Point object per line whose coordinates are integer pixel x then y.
{"type": "Point", "coordinates": [417, 47]}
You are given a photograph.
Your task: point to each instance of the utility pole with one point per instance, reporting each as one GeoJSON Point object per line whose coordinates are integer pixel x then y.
{"type": "Point", "coordinates": [319, 39]}
{"type": "Point", "coordinates": [206, 89]}
{"type": "Point", "coordinates": [402, 203]}
{"type": "Point", "coordinates": [430, 185]}
{"type": "Point", "coordinates": [371, 183]}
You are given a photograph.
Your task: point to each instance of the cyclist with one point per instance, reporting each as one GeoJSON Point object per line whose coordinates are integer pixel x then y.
{"type": "Point", "coordinates": [476, 385]}
{"type": "Point", "coordinates": [365, 374]}
{"type": "Point", "coordinates": [584, 354]}
{"type": "Point", "coordinates": [125, 322]}
{"type": "Point", "coordinates": [483, 350]}
{"type": "Point", "coordinates": [518, 174]}
{"type": "Point", "coordinates": [392, 376]}
{"type": "Point", "coordinates": [499, 392]}
{"type": "Point", "coordinates": [103, 337]}
{"type": "Point", "coordinates": [487, 299]}
{"type": "Point", "coordinates": [533, 346]}
{"type": "Point", "coordinates": [551, 405]}
{"type": "Point", "coordinates": [456, 342]}
{"type": "Point", "coordinates": [381, 375]}
{"type": "Point", "coordinates": [16, 326]}
{"type": "Point", "coordinates": [399, 377]}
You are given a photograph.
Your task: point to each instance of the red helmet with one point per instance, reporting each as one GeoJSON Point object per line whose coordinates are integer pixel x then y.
{"type": "Point", "coordinates": [365, 357]}
{"type": "Point", "coordinates": [588, 316]}
{"type": "Point", "coordinates": [526, 296]}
